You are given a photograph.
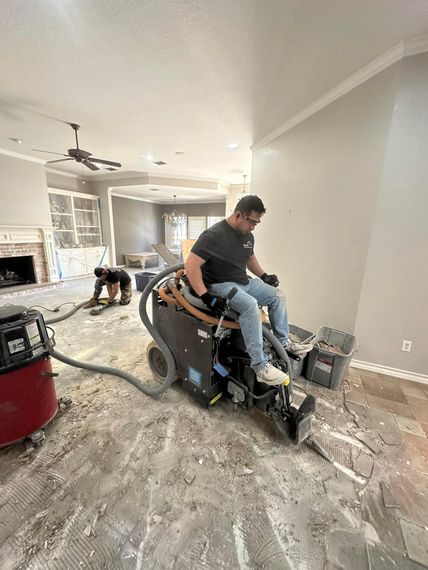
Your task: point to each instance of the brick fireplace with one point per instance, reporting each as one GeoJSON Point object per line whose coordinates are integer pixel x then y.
{"type": "Point", "coordinates": [13, 258]}
{"type": "Point", "coordinates": [26, 256]}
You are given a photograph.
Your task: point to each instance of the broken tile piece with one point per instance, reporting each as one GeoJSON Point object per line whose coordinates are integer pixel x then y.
{"type": "Point", "coordinates": [362, 463]}
{"type": "Point", "coordinates": [410, 492]}
{"type": "Point", "coordinates": [343, 546]}
{"type": "Point", "coordinates": [368, 440]}
{"type": "Point", "coordinates": [382, 557]}
{"type": "Point", "coordinates": [387, 496]}
{"type": "Point", "coordinates": [384, 521]}
{"type": "Point", "coordinates": [416, 539]}
{"type": "Point", "coordinates": [340, 488]}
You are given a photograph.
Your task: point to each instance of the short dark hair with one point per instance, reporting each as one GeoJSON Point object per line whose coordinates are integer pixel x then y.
{"type": "Point", "coordinates": [98, 271]}
{"type": "Point", "coordinates": [250, 203]}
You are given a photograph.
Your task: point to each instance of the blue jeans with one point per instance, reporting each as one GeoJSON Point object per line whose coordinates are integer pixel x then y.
{"type": "Point", "coordinates": [246, 302]}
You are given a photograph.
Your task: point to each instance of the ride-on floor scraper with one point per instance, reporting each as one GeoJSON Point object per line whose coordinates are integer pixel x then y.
{"type": "Point", "coordinates": [212, 362]}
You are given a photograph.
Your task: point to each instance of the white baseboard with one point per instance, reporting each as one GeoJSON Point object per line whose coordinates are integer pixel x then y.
{"type": "Point", "coordinates": [405, 374]}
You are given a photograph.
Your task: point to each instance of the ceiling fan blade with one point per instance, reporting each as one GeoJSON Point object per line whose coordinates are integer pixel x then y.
{"type": "Point", "coordinates": [108, 162]}
{"type": "Point", "coordinates": [90, 165]}
{"type": "Point", "coordinates": [49, 152]}
{"type": "Point", "coordinates": [60, 160]}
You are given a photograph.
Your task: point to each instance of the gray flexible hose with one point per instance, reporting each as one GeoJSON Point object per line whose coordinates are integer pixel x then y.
{"type": "Point", "coordinates": [154, 392]}
{"type": "Point", "coordinates": [279, 349]}
{"type": "Point", "coordinates": [66, 315]}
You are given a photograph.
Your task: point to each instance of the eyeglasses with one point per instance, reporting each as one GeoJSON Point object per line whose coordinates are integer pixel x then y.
{"type": "Point", "coordinates": [251, 221]}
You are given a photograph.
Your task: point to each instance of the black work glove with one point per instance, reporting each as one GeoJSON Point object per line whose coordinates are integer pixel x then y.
{"type": "Point", "coordinates": [216, 304]}
{"type": "Point", "coordinates": [270, 279]}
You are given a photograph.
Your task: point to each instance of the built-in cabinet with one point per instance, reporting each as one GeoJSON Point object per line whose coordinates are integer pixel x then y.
{"type": "Point", "coordinates": [76, 261]}
{"type": "Point", "coordinates": [75, 218]}
{"type": "Point", "coordinates": [77, 232]}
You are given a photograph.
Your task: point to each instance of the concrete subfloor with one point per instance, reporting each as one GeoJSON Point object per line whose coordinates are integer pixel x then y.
{"type": "Point", "coordinates": [124, 481]}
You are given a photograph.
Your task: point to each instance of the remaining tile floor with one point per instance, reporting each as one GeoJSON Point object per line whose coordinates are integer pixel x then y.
{"type": "Point", "coordinates": [406, 400]}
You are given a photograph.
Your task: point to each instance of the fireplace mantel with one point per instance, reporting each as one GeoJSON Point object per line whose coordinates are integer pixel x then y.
{"type": "Point", "coordinates": [14, 235]}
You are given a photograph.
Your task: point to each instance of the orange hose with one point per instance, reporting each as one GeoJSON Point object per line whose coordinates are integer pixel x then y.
{"type": "Point", "coordinates": [202, 316]}
{"type": "Point", "coordinates": [165, 297]}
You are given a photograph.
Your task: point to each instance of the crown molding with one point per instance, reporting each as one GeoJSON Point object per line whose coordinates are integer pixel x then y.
{"type": "Point", "coordinates": [182, 176]}
{"type": "Point", "coordinates": [169, 202]}
{"type": "Point", "coordinates": [118, 195]}
{"type": "Point", "coordinates": [125, 175]}
{"type": "Point", "coordinates": [26, 157]}
{"type": "Point", "coordinates": [415, 45]}
{"type": "Point", "coordinates": [409, 47]}
{"type": "Point", "coordinates": [62, 173]}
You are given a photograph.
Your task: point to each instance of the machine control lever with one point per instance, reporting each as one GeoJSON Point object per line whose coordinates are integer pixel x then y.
{"type": "Point", "coordinates": [229, 296]}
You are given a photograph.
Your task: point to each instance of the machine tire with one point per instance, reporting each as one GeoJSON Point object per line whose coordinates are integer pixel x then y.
{"type": "Point", "coordinates": [157, 362]}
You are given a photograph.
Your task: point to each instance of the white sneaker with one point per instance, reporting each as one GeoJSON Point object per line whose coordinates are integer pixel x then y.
{"type": "Point", "coordinates": [298, 348]}
{"type": "Point", "coordinates": [271, 375]}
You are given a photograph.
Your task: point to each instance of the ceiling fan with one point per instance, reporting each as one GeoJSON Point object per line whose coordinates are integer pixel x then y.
{"type": "Point", "coordinates": [80, 155]}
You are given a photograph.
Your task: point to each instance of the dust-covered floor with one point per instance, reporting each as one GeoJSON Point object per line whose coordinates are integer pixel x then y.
{"type": "Point", "coordinates": [124, 481]}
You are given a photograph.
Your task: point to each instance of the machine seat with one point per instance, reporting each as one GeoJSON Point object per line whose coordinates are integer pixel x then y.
{"type": "Point", "coordinates": [199, 304]}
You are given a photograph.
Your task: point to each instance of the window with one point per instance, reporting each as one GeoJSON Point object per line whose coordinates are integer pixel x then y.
{"type": "Point", "coordinates": [191, 229]}
{"type": "Point", "coordinates": [196, 225]}
{"type": "Point", "coordinates": [75, 218]}
{"type": "Point", "coordinates": [211, 220]}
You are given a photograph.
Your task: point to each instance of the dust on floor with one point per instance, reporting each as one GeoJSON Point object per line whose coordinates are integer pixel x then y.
{"type": "Point", "coordinates": [124, 481]}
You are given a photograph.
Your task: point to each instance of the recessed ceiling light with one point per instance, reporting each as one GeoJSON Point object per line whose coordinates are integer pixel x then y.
{"type": "Point", "coordinates": [17, 141]}
{"type": "Point", "coordinates": [159, 162]}
{"type": "Point", "coordinates": [179, 153]}
{"type": "Point", "coordinates": [232, 145]}
{"type": "Point", "coordinates": [148, 157]}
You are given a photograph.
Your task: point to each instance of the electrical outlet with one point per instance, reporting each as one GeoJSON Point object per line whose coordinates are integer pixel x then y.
{"type": "Point", "coordinates": [406, 346]}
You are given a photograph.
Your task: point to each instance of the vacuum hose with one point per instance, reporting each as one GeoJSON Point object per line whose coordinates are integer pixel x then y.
{"type": "Point", "coordinates": [154, 392]}
{"type": "Point", "coordinates": [63, 317]}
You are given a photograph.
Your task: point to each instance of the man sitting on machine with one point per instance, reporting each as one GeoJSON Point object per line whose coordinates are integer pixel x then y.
{"type": "Point", "coordinates": [218, 262]}
{"type": "Point", "coordinates": [114, 278]}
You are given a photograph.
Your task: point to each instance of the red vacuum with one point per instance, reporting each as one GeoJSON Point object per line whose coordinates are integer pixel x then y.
{"type": "Point", "coordinates": [28, 398]}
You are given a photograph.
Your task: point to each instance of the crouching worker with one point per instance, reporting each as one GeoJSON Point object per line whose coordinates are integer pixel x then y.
{"type": "Point", "coordinates": [114, 278]}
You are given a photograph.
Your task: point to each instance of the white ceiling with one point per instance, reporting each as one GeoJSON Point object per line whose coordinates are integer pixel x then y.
{"type": "Point", "coordinates": [160, 76]}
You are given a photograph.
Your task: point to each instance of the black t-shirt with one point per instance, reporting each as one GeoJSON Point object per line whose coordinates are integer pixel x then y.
{"type": "Point", "coordinates": [114, 274]}
{"type": "Point", "coordinates": [226, 253]}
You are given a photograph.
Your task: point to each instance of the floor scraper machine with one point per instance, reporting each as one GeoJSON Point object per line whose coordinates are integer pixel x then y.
{"type": "Point", "coordinates": [211, 360]}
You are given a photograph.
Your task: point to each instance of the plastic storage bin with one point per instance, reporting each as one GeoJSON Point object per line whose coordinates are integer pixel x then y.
{"type": "Point", "coordinates": [327, 367]}
{"type": "Point", "coordinates": [298, 366]}
{"type": "Point", "coordinates": [142, 279]}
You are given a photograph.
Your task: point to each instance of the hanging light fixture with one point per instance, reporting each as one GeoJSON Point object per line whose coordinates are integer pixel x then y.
{"type": "Point", "coordinates": [174, 218]}
{"type": "Point", "coordinates": [245, 178]}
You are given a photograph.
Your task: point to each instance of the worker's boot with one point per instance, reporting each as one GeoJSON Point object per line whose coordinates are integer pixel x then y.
{"type": "Point", "coordinates": [91, 303]}
{"type": "Point", "coordinates": [271, 375]}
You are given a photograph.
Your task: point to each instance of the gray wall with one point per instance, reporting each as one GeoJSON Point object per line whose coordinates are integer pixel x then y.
{"type": "Point", "coordinates": [137, 224]}
{"type": "Point", "coordinates": [394, 296]}
{"type": "Point", "coordinates": [320, 182]}
{"type": "Point", "coordinates": [215, 209]}
{"type": "Point", "coordinates": [23, 195]}
{"type": "Point", "coordinates": [55, 180]}
{"type": "Point", "coordinates": [344, 191]}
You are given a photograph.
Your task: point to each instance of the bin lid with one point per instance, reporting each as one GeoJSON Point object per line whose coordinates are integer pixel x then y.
{"type": "Point", "coordinates": [12, 313]}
